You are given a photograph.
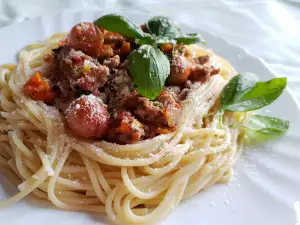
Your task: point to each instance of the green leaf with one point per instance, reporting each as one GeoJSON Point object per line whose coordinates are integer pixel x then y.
{"type": "Point", "coordinates": [243, 93]}
{"type": "Point", "coordinates": [236, 87]}
{"type": "Point", "coordinates": [149, 68]}
{"type": "Point", "coordinates": [166, 31]}
{"type": "Point", "coordinates": [262, 128]}
{"type": "Point", "coordinates": [117, 23]}
{"type": "Point", "coordinates": [189, 39]}
{"type": "Point", "coordinates": [163, 26]}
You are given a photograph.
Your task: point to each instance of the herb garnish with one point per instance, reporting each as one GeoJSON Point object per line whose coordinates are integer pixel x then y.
{"type": "Point", "coordinates": [149, 71]}
{"type": "Point", "coordinates": [244, 93]}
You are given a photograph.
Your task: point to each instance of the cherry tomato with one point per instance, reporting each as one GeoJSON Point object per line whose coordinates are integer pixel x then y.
{"type": "Point", "coordinates": [88, 117]}
{"type": "Point", "coordinates": [86, 37]}
{"type": "Point", "coordinates": [180, 70]}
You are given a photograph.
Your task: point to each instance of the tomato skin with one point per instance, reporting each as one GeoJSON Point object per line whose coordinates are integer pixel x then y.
{"type": "Point", "coordinates": [38, 88]}
{"type": "Point", "coordinates": [87, 38]}
{"type": "Point", "coordinates": [88, 117]}
{"type": "Point", "coordinates": [180, 70]}
{"type": "Point", "coordinates": [166, 48]}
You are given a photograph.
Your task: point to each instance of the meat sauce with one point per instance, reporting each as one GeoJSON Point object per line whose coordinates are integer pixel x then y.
{"type": "Point", "coordinates": [89, 82]}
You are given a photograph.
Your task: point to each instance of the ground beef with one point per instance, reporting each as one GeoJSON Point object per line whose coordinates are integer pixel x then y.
{"type": "Point", "coordinates": [173, 89]}
{"type": "Point", "coordinates": [202, 59]}
{"type": "Point", "coordinates": [164, 111]}
{"type": "Point", "coordinates": [78, 69]}
{"type": "Point", "coordinates": [121, 91]}
{"type": "Point", "coordinates": [202, 73]}
{"type": "Point", "coordinates": [125, 129]}
{"type": "Point", "coordinates": [112, 62]}
{"type": "Point", "coordinates": [74, 73]}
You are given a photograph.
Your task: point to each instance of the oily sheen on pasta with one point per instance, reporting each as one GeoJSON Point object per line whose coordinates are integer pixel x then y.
{"type": "Point", "coordinates": [137, 183]}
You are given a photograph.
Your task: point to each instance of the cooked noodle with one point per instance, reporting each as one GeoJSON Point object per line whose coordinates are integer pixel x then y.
{"type": "Point", "coordinates": [133, 184]}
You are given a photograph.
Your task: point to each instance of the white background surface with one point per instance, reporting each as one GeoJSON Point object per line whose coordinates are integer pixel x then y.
{"type": "Point", "coordinates": [266, 191]}
{"type": "Point", "coordinates": [264, 28]}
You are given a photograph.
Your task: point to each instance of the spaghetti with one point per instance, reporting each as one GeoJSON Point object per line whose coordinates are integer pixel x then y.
{"type": "Point", "coordinates": [137, 183]}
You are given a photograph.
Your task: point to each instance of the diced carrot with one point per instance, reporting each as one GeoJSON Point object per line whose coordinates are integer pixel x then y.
{"type": "Point", "coordinates": [166, 48]}
{"type": "Point", "coordinates": [136, 136]}
{"type": "Point", "coordinates": [125, 48]}
{"type": "Point", "coordinates": [62, 42]}
{"type": "Point", "coordinates": [124, 128]}
{"type": "Point", "coordinates": [106, 51]}
{"type": "Point", "coordinates": [48, 57]}
{"type": "Point", "coordinates": [165, 130]}
{"type": "Point", "coordinates": [38, 88]}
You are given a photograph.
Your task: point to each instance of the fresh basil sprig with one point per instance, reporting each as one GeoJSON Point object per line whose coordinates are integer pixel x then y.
{"type": "Point", "coordinates": [117, 23]}
{"type": "Point", "coordinates": [189, 39]}
{"type": "Point", "coordinates": [161, 26]}
{"type": "Point", "coordinates": [149, 68]}
{"type": "Point", "coordinates": [262, 128]}
{"type": "Point", "coordinates": [162, 30]}
{"type": "Point", "coordinates": [243, 93]}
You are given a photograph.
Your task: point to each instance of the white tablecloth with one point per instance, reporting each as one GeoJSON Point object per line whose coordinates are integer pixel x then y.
{"type": "Point", "coordinates": [264, 28]}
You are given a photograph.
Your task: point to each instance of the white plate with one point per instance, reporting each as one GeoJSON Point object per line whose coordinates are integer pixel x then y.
{"type": "Point", "coordinates": [266, 189]}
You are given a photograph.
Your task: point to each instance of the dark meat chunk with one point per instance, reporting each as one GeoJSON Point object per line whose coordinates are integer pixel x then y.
{"type": "Point", "coordinates": [164, 111]}
{"type": "Point", "coordinates": [144, 28]}
{"type": "Point", "coordinates": [78, 69]}
{"type": "Point", "coordinates": [121, 91]}
{"type": "Point", "coordinates": [152, 130]}
{"type": "Point", "coordinates": [94, 77]}
{"type": "Point", "coordinates": [203, 73]}
{"type": "Point", "coordinates": [112, 62]}
{"type": "Point", "coordinates": [125, 129]}
{"type": "Point", "coordinates": [202, 59]}
{"type": "Point", "coordinates": [183, 94]}
{"type": "Point", "coordinates": [67, 61]}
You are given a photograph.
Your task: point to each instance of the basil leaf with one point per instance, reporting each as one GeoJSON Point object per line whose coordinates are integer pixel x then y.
{"type": "Point", "coordinates": [117, 23]}
{"type": "Point", "coordinates": [262, 128]}
{"type": "Point", "coordinates": [189, 39]}
{"type": "Point", "coordinates": [243, 93]}
{"type": "Point", "coordinates": [149, 68]}
{"type": "Point", "coordinates": [163, 26]}
{"type": "Point", "coordinates": [238, 85]}
{"type": "Point", "coordinates": [169, 32]}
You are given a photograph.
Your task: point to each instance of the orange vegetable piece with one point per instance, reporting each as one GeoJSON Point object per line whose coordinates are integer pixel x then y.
{"type": "Point", "coordinates": [38, 88]}
{"type": "Point", "coordinates": [166, 48]}
{"type": "Point", "coordinates": [125, 48]}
